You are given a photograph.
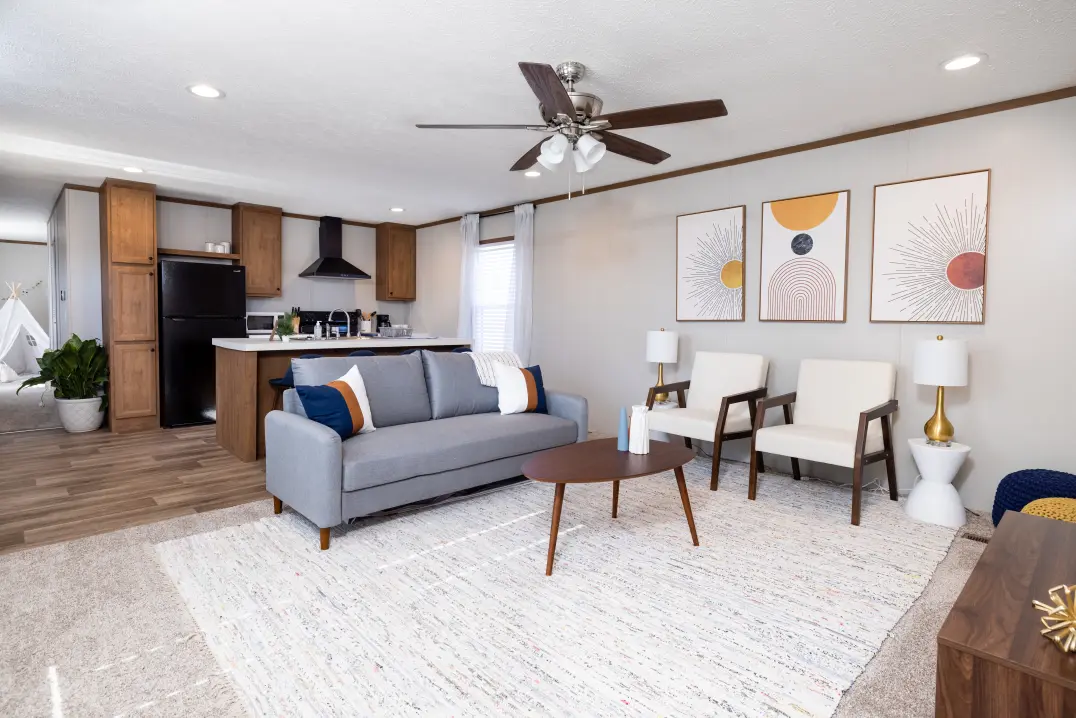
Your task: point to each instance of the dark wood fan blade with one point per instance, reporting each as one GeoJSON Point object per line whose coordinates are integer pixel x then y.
{"type": "Point", "coordinates": [547, 88]}
{"type": "Point", "coordinates": [632, 148]}
{"type": "Point", "coordinates": [527, 161]}
{"type": "Point", "coordinates": [481, 127]}
{"type": "Point", "coordinates": [665, 114]}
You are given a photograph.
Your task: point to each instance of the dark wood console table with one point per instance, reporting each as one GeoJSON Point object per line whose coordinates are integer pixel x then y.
{"type": "Point", "coordinates": [992, 662]}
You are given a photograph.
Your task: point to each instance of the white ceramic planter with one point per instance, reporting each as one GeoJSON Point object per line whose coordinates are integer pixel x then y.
{"type": "Point", "coordinates": [79, 415]}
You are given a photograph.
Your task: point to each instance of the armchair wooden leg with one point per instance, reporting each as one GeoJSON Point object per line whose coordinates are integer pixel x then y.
{"type": "Point", "coordinates": [278, 505]}
{"type": "Point", "coordinates": [890, 465]}
{"type": "Point", "coordinates": [857, 488]}
{"type": "Point", "coordinates": [753, 482]}
{"type": "Point", "coordinates": [715, 466]}
{"type": "Point", "coordinates": [324, 539]}
{"type": "Point", "coordinates": [761, 464]}
{"type": "Point", "coordinates": [796, 469]}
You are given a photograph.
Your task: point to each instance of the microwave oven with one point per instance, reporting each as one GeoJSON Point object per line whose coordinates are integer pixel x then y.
{"type": "Point", "coordinates": [262, 322]}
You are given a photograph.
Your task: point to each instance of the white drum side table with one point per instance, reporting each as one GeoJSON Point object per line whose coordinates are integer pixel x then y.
{"type": "Point", "coordinates": [934, 499]}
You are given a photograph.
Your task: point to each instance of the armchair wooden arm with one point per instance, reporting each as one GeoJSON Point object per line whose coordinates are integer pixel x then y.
{"type": "Point", "coordinates": [879, 411]}
{"type": "Point", "coordinates": [678, 386]}
{"type": "Point", "coordinates": [720, 435]}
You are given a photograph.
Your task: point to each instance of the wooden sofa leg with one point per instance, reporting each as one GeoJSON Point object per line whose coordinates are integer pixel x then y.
{"type": "Point", "coordinates": [324, 539]}
{"type": "Point", "coordinates": [278, 505]}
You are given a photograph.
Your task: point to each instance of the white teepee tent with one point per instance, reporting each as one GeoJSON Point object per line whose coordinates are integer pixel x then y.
{"type": "Point", "coordinates": [22, 340]}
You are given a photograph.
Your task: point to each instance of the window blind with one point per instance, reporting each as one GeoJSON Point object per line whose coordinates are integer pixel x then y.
{"type": "Point", "coordinates": [495, 297]}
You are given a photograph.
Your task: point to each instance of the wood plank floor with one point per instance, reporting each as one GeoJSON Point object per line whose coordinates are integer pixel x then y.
{"type": "Point", "coordinates": [56, 486]}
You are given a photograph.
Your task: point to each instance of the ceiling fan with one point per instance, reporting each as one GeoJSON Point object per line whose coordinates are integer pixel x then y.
{"type": "Point", "coordinates": [577, 125]}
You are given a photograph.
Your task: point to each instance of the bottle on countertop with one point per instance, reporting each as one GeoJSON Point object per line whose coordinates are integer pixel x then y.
{"type": "Point", "coordinates": [317, 330]}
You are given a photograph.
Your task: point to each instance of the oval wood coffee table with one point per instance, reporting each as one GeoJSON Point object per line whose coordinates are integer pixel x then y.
{"type": "Point", "coordinates": [592, 462]}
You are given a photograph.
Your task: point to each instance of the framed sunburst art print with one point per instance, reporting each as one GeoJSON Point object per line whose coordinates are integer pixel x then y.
{"type": "Point", "coordinates": [710, 249]}
{"type": "Point", "coordinates": [930, 249]}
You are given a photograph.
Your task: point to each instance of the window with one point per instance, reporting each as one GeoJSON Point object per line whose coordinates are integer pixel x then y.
{"type": "Point", "coordinates": [495, 297]}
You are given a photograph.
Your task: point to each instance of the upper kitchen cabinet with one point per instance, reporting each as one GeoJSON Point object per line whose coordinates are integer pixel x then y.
{"type": "Point", "coordinates": [256, 238]}
{"type": "Point", "coordinates": [129, 221]}
{"type": "Point", "coordinates": [395, 263]}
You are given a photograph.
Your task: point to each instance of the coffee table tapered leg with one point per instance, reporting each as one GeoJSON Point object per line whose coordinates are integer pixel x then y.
{"type": "Point", "coordinates": [616, 495]}
{"type": "Point", "coordinates": [682, 484]}
{"type": "Point", "coordinates": [558, 499]}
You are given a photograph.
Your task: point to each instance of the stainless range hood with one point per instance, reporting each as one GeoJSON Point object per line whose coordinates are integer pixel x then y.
{"type": "Point", "coordinates": [330, 263]}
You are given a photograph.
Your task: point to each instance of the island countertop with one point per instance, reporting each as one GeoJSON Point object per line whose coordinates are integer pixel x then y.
{"type": "Point", "coordinates": [303, 345]}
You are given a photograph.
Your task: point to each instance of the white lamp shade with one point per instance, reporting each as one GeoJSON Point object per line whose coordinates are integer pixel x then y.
{"type": "Point", "coordinates": [581, 164]}
{"type": "Point", "coordinates": [554, 148]}
{"type": "Point", "coordinates": [941, 362]}
{"type": "Point", "coordinates": [592, 150]}
{"type": "Point", "coordinates": [661, 346]}
{"type": "Point", "coordinates": [549, 164]}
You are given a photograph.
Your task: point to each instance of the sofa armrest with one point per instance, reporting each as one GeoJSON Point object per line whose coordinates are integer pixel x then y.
{"type": "Point", "coordinates": [569, 406]}
{"type": "Point", "coordinates": [304, 466]}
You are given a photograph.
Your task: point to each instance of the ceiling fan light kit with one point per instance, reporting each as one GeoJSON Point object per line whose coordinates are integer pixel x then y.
{"type": "Point", "coordinates": [571, 116]}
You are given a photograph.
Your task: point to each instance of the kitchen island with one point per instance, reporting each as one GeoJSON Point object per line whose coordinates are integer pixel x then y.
{"type": "Point", "coordinates": [245, 366]}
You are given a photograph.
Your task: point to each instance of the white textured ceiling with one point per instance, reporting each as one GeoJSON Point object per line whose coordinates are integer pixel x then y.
{"type": "Point", "coordinates": [322, 95]}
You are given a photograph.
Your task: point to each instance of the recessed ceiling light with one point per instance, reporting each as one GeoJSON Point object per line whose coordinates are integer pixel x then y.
{"type": "Point", "coordinates": [206, 91]}
{"type": "Point", "coordinates": [133, 170]}
{"type": "Point", "coordinates": [533, 173]}
{"type": "Point", "coordinates": [963, 62]}
{"type": "Point", "coordinates": [396, 209]}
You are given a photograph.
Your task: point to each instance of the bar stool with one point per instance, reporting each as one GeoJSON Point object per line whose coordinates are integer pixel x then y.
{"type": "Point", "coordinates": [408, 351]}
{"type": "Point", "coordinates": [362, 353]}
{"type": "Point", "coordinates": [287, 381]}
{"type": "Point", "coordinates": [461, 350]}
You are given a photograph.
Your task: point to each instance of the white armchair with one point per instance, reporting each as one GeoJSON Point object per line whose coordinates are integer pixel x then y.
{"type": "Point", "coordinates": [841, 418]}
{"type": "Point", "coordinates": [721, 404]}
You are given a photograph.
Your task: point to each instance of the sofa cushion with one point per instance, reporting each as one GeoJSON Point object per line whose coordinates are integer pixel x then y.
{"type": "Point", "coordinates": [395, 385]}
{"type": "Point", "coordinates": [452, 382]}
{"type": "Point", "coordinates": [405, 451]}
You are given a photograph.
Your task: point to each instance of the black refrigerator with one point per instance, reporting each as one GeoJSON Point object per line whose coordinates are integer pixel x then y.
{"type": "Point", "coordinates": [198, 302]}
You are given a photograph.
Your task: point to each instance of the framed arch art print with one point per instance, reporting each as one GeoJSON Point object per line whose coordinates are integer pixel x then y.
{"type": "Point", "coordinates": [804, 267]}
{"type": "Point", "coordinates": [929, 261]}
{"type": "Point", "coordinates": [710, 250]}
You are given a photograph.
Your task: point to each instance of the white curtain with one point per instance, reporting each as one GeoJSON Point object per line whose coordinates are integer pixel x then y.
{"type": "Point", "coordinates": [468, 259]}
{"type": "Point", "coordinates": [524, 246]}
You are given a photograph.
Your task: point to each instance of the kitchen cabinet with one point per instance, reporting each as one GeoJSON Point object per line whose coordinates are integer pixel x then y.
{"type": "Point", "coordinates": [129, 302]}
{"type": "Point", "coordinates": [133, 305]}
{"type": "Point", "coordinates": [395, 263]}
{"type": "Point", "coordinates": [131, 221]}
{"type": "Point", "coordinates": [256, 238]}
{"type": "Point", "coordinates": [133, 380]}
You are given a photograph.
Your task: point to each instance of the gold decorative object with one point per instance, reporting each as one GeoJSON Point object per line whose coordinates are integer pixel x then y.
{"type": "Point", "coordinates": [940, 363]}
{"type": "Point", "coordinates": [661, 396]}
{"type": "Point", "coordinates": [1060, 618]}
{"type": "Point", "coordinates": [938, 427]}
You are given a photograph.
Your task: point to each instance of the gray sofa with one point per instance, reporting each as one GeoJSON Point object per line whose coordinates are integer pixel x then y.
{"type": "Point", "coordinates": [438, 431]}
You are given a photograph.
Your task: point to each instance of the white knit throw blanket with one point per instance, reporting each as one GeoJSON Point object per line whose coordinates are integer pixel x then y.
{"type": "Point", "coordinates": [484, 361]}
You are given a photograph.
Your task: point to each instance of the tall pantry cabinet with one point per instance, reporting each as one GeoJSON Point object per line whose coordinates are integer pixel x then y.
{"type": "Point", "coordinates": [129, 302]}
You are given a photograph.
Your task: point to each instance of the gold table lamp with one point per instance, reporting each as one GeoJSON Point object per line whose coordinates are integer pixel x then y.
{"type": "Point", "coordinates": [941, 363]}
{"type": "Point", "coordinates": [661, 347]}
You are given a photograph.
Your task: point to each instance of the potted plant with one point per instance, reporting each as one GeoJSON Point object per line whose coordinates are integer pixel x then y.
{"type": "Point", "coordinates": [79, 374]}
{"type": "Point", "coordinates": [285, 326]}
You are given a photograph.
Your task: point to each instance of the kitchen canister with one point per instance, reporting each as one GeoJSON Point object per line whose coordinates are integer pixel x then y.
{"type": "Point", "coordinates": [210, 247]}
{"type": "Point", "coordinates": [639, 438]}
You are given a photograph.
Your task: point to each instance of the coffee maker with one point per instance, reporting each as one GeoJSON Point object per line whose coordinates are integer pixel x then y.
{"type": "Point", "coordinates": [382, 321]}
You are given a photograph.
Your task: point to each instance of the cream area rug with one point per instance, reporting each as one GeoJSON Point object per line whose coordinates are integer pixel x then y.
{"type": "Point", "coordinates": [447, 611]}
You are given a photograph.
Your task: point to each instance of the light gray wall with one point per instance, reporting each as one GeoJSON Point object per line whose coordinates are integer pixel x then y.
{"type": "Point", "coordinates": [27, 264]}
{"type": "Point", "coordinates": [605, 273]}
{"type": "Point", "coordinates": [181, 226]}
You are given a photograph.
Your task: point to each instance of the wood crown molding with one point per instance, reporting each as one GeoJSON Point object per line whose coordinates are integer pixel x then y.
{"type": "Point", "coordinates": [1003, 106]}
{"type": "Point", "coordinates": [214, 205]}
